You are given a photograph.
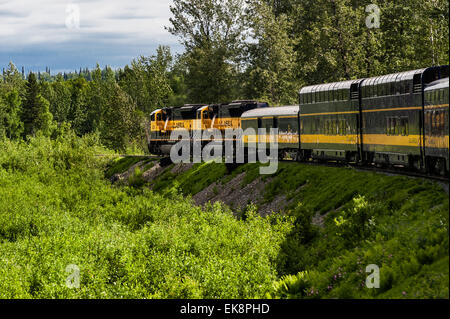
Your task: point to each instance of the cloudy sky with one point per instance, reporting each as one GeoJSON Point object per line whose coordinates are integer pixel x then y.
{"type": "Point", "coordinates": [69, 34]}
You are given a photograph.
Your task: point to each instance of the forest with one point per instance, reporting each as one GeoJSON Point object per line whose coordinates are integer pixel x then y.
{"type": "Point", "coordinates": [233, 49]}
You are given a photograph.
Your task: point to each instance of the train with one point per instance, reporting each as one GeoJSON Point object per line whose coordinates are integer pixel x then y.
{"type": "Point", "coordinates": [398, 119]}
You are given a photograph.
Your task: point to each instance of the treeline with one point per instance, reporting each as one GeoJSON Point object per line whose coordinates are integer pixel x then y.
{"type": "Point", "coordinates": [268, 49]}
{"type": "Point", "coordinates": [234, 49]}
{"type": "Point", "coordinates": [113, 104]}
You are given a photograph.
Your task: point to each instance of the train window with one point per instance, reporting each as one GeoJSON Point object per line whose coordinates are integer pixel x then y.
{"type": "Point", "coordinates": [434, 123]}
{"type": "Point", "coordinates": [275, 122]}
{"type": "Point", "coordinates": [158, 117]}
{"type": "Point", "coordinates": [404, 126]}
{"type": "Point", "coordinates": [391, 88]}
{"type": "Point", "coordinates": [317, 126]}
{"type": "Point", "coordinates": [393, 126]}
{"type": "Point", "coordinates": [400, 87]}
{"type": "Point", "coordinates": [259, 123]}
{"type": "Point", "coordinates": [440, 123]}
{"type": "Point", "coordinates": [152, 118]}
{"type": "Point", "coordinates": [428, 123]}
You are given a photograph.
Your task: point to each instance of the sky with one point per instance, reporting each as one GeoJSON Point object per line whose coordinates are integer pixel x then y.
{"type": "Point", "coordinates": [68, 34]}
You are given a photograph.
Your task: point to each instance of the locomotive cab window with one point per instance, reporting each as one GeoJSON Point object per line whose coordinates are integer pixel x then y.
{"type": "Point", "coordinates": [152, 117]}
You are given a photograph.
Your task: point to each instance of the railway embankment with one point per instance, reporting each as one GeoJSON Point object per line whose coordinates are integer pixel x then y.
{"type": "Point", "coordinates": [343, 220]}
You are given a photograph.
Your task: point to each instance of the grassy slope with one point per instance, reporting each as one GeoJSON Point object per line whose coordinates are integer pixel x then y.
{"type": "Point", "coordinates": [57, 209]}
{"type": "Point", "coordinates": [399, 224]}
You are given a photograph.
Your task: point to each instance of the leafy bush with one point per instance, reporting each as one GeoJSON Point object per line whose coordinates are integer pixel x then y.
{"type": "Point", "coordinates": [56, 209]}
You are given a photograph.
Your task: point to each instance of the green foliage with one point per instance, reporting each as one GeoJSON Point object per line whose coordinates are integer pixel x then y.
{"type": "Point", "coordinates": [212, 33]}
{"type": "Point", "coordinates": [36, 114]}
{"type": "Point", "coordinates": [358, 222]}
{"type": "Point", "coordinates": [342, 221]}
{"type": "Point", "coordinates": [10, 122]}
{"type": "Point", "coordinates": [121, 165]}
{"type": "Point", "coordinates": [136, 180]}
{"type": "Point", "coordinates": [270, 75]}
{"type": "Point", "coordinates": [192, 181]}
{"type": "Point", "coordinates": [57, 209]}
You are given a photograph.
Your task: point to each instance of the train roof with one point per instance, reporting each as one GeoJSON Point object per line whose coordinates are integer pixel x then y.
{"type": "Point", "coordinates": [394, 77]}
{"type": "Point", "coordinates": [439, 84]}
{"type": "Point", "coordinates": [328, 86]}
{"type": "Point", "coordinates": [272, 111]}
{"type": "Point", "coordinates": [241, 103]}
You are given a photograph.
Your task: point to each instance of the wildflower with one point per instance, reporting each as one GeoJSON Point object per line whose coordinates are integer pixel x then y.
{"type": "Point", "coordinates": [404, 293]}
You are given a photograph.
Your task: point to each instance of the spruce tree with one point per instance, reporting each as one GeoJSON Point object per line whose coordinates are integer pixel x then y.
{"type": "Point", "coordinates": [36, 115]}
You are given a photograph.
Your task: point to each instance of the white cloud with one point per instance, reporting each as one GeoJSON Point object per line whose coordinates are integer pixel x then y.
{"type": "Point", "coordinates": [27, 22]}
